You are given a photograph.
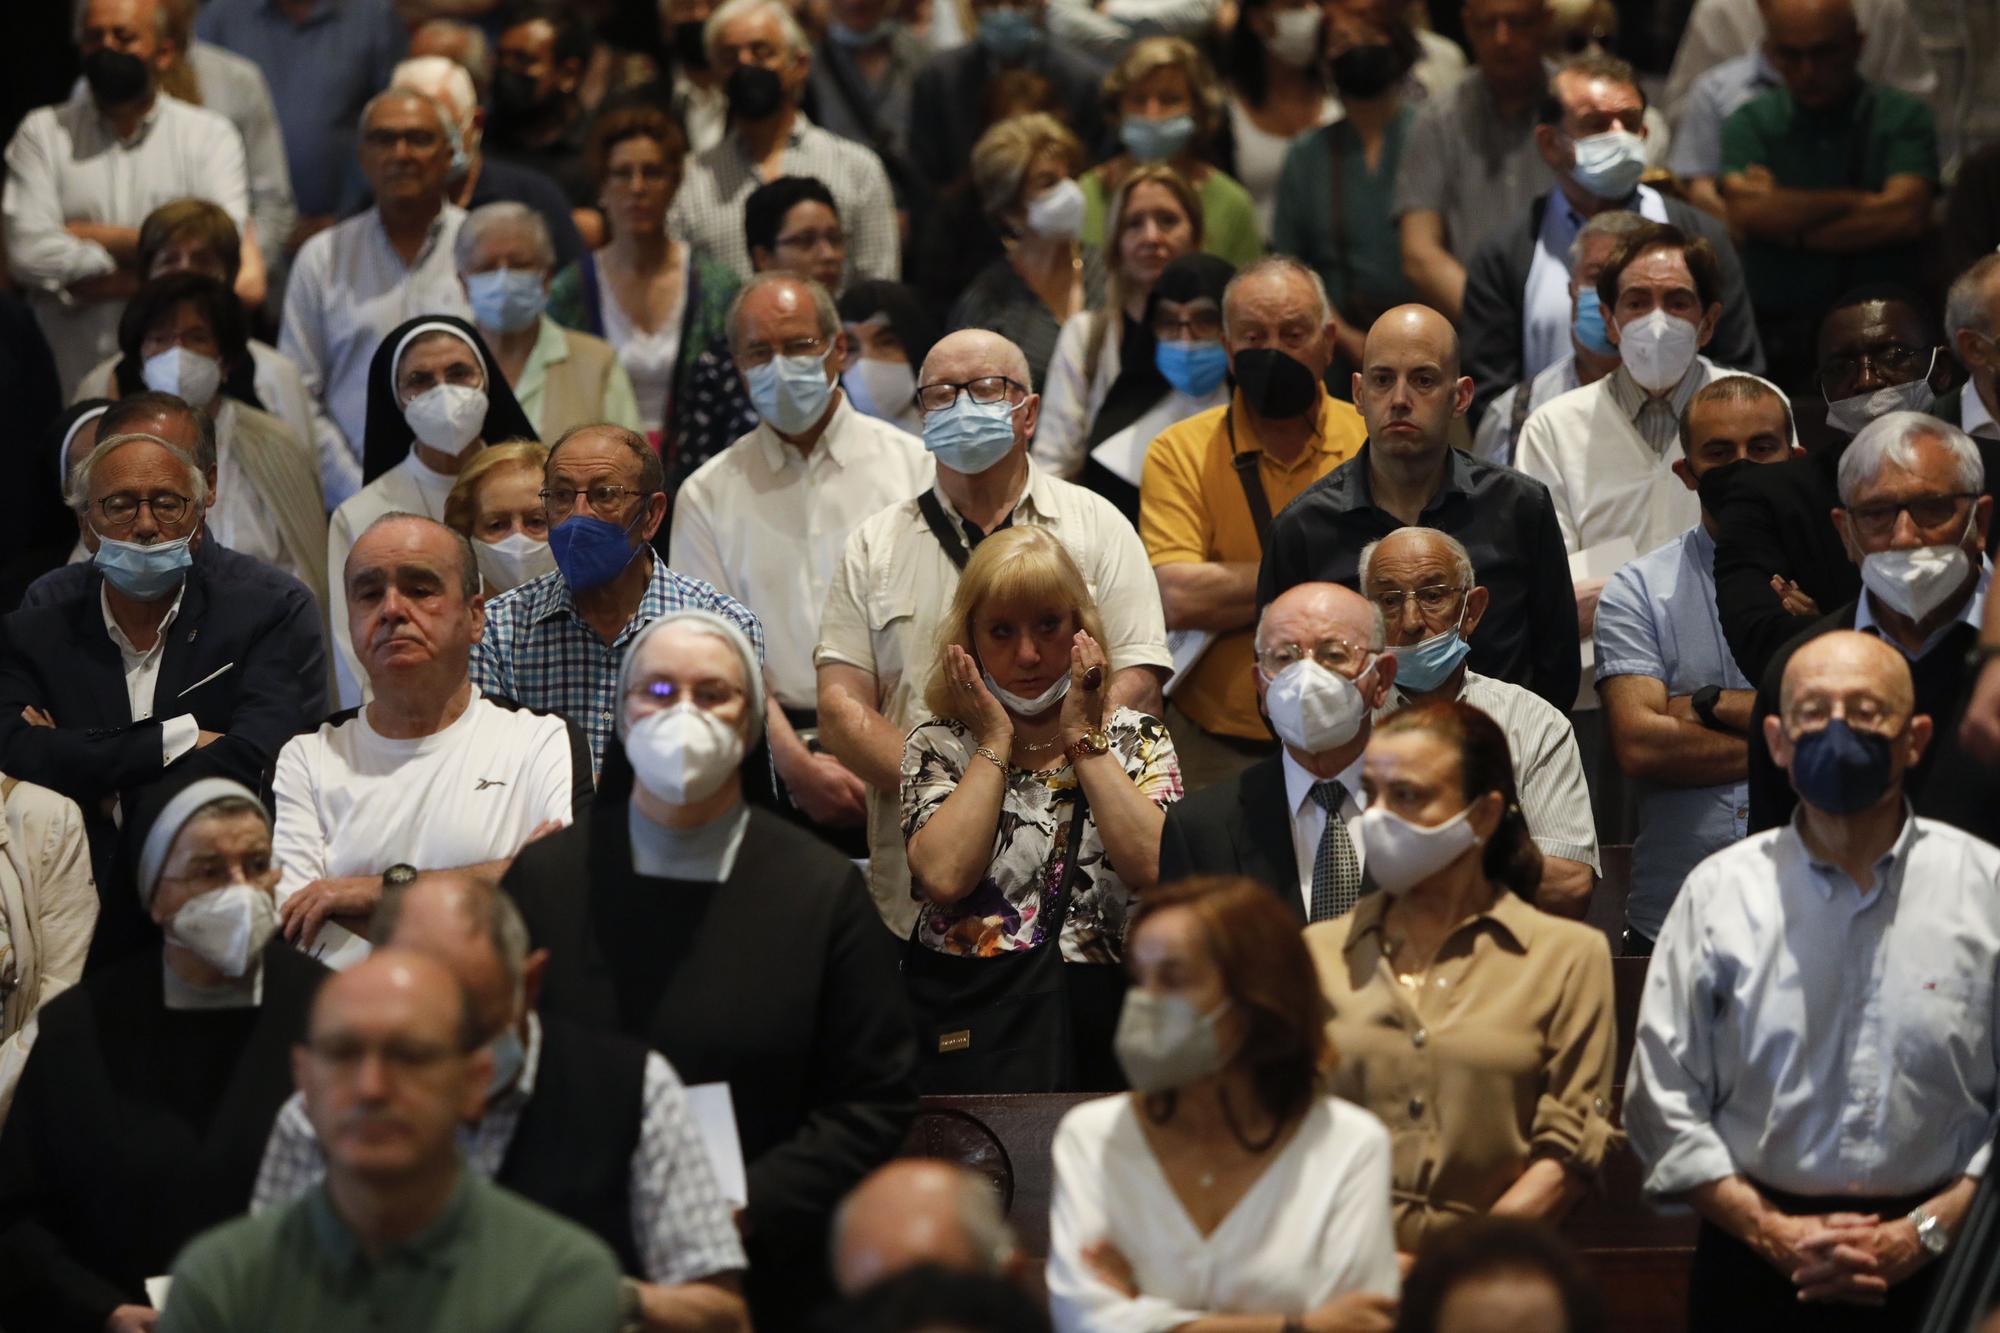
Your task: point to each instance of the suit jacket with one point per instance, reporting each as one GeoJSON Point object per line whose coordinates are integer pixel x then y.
{"type": "Point", "coordinates": [1496, 290]}
{"type": "Point", "coordinates": [1241, 826]}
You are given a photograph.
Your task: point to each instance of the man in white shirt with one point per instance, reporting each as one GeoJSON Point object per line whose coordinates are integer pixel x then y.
{"type": "Point", "coordinates": [1286, 821]}
{"type": "Point", "coordinates": [82, 176]}
{"type": "Point", "coordinates": [765, 520]}
{"type": "Point", "coordinates": [1972, 323]}
{"type": "Point", "coordinates": [354, 283]}
{"type": "Point", "coordinates": [1818, 1043]}
{"type": "Point", "coordinates": [878, 634]}
{"type": "Point", "coordinates": [1423, 583]}
{"type": "Point", "coordinates": [430, 773]}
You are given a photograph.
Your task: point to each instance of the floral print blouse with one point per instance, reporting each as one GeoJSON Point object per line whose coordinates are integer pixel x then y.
{"type": "Point", "coordinates": [1004, 912]}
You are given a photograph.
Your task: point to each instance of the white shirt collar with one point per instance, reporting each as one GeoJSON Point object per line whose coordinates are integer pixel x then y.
{"type": "Point", "coordinates": [125, 645]}
{"type": "Point", "coordinates": [1974, 419]}
{"type": "Point", "coordinates": [778, 455]}
{"type": "Point", "coordinates": [1299, 783]}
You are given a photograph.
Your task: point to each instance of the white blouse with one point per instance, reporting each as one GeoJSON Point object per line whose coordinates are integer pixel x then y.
{"type": "Point", "coordinates": [648, 358]}
{"type": "Point", "coordinates": [1260, 156]}
{"type": "Point", "coordinates": [1314, 1226]}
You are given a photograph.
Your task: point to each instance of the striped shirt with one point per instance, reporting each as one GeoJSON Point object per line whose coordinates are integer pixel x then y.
{"type": "Point", "coordinates": [537, 650]}
{"type": "Point", "coordinates": [708, 212]}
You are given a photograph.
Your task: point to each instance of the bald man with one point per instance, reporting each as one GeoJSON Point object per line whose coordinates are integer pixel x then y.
{"type": "Point", "coordinates": [1828, 177]}
{"type": "Point", "coordinates": [1288, 821]}
{"type": "Point", "coordinates": [898, 570]}
{"type": "Point", "coordinates": [1819, 1041]}
{"type": "Point", "coordinates": [1410, 390]}
{"type": "Point", "coordinates": [1209, 490]}
{"type": "Point", "coordinates": [919, 1211]}
{"type": "Point", "coordinates": [400, 1235]}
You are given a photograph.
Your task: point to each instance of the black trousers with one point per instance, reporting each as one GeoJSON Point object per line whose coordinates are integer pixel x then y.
{"type": "Point", "coordinates": [1733, 1290]}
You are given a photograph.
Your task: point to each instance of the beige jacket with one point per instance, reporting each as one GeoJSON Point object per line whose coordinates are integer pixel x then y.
{"type": "Point", "coordinates": [48, 909]}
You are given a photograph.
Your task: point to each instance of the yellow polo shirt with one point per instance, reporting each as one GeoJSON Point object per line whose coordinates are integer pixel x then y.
{"type": "Point", "coordinates": [1192, 509]}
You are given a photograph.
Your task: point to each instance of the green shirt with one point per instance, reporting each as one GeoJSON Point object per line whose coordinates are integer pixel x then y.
{"type": "Point", "coordinates": [1879, 133]}
{"type": "Point", "coordinates": [491, 1263]}
{"type": "Point", "coordinates": [1228, 217]}
{"type": "Point", "coordinates": [1359, 253]}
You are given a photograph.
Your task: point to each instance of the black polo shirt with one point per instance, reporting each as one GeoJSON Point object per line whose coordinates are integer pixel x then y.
{"type": "Point", "coordinates": [1507, 524]}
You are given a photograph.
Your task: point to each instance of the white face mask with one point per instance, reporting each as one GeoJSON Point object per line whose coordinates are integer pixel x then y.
{"type": "Point", "coordinates": [1024, 707]}
{"type": "Point", "coordinates": [1915, 583]}
{"type": "Point", "coordinates": [513, 560]}
{"type": "Point", "coordinates": [1400, 854]}
{"type": "Point", "coordinates": [1163, 1042]}
{"type": "Point", "coordinates": [1056, 214]}
{"type": "Point", "coordinates": [1851, 414]}
{"type": "Point", "coordinates": [1313, 709]}
{"type": "Point", "coordinates": [683, 754]}
{"type": "Point", "coordinates": [1295, 36]}
{"type": "Point", "coordinates": [189, 376]}
{"type": "Point", "coordinates": [882, 389]}
{"type": "Point", "coordinates": [225, 928]}
{"type": "Point", "coordinates": [1657, 349]}
{"type": "Point", "coordinates": [447, 417]}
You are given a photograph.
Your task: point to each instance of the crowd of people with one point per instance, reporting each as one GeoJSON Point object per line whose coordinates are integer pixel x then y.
{"type": "Point", "coordinates": [584, 568]}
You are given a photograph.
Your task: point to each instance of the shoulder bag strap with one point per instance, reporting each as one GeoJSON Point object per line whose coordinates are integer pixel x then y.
{"type": "Point", "coordinates": [1072, 850]}
{"type": "Point", "coordinates": [941, 528]}
{"type": "Point", "coordinates": [1245, 462]}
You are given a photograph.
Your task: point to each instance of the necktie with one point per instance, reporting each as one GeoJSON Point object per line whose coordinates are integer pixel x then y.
{"type": "Point", "coordinates": [1336, 869]}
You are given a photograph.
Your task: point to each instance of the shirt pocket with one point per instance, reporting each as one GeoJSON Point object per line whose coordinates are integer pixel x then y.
{"type": "Point", "coordinates": [1944, 1028]}
{"type": "Point", "coordinates": [892, 621]}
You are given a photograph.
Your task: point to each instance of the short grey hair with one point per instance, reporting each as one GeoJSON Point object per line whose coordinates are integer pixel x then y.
{"type": "Point", "coordinates": [731, 10]}
{"type": "Point", "coordinates": [468, 564]}
{"type": "Point", "coordinates": [447, 123]}
{"type": "Point", "coordinates": [1617, 223]}
{"type": "Point", "coordinates": [488, 219]}
{"type": "Point", "coordinates": [77, 489]}
{"type": "Point", "coordinates": [1269, 264]}
{"type": "Point", "coordinates": [1892, 437]}
{"type": "Point", "coordinates": [981, 1219]}
{"type": "Point", "coordinates": [488, 911]}
{"type": "Point", "coordinates": [823, 306]}
{"type": "Point", "coordinates": [1965, 305]}
{"type": "Point", "coordinates": [1461, 560]}
{"type": "Point", "coordinates": [478, 56]}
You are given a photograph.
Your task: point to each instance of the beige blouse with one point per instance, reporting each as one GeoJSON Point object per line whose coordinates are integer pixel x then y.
{"type": "Point", "coordinates": [1501, 1053]}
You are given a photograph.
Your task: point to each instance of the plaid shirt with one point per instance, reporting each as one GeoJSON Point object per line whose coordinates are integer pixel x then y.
{"type": "Point", "coordinates": [539, 652]}
{"type": "Point", "coordinates": [683, 1227]}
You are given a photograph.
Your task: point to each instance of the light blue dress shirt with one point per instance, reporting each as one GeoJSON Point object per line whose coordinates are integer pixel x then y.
{"type": "Point", "coordinates": [1657, 618]}
{"type": "Point", "coordinates": [1816, 1038]}
{"type": "Point", "coordinates": [1697, 147]}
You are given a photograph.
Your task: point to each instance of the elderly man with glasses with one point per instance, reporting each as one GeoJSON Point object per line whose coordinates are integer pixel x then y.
{"type": "Point", "coordinates": [554, 643]}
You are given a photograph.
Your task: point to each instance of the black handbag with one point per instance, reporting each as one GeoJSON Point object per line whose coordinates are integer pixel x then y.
{"type": "Point", "coordinates": [1004, 1023]}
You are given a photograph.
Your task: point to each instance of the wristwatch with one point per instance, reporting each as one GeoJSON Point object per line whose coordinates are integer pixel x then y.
{"type": "Point", "coordinates": [1930, 1232]}
{"type": "Point", "coordinates": [1091, 742]}
{"type": "Point", "coordinates": [1704, 706]}
{"type": "Point", "coordinates": [399, 876]}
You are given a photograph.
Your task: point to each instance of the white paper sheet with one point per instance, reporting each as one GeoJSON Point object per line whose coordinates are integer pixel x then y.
{"type": "Point", "coordinates": [1186, 647]}
{"type": "Point", "coordinates": [715, 1118]}
{"type": "Point", "coordinates": [1596, 562]}
{"type": "Point", "coordinates": [156, 1291]}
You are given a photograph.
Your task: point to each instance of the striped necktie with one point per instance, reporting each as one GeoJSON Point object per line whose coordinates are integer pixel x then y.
{"type": "Point", "coordinates": [1336, 870]}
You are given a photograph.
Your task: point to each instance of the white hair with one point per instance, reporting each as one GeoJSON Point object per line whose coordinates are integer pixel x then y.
{"type": "Point", "coordinates": [1617, 223]}
{"type": "Point", "coordinates": [445, 82]}
{"type": "Point", "coordinates": [478, 57]}
{"type": "Point", "coordinates": [1965, 306]}
{"type": "Point", "coordinates": [77, 489]}
{"type": "Point", "coordinates": [1892, 437]}
{"type": "Point", "coordinates": [1277, 264]}
{"type": "Point", "coordinates": [488, 219]}
{"type": "Point", "coordinates": [731, 10]}
{"type": "Point", "coordinates": [1461, 560]}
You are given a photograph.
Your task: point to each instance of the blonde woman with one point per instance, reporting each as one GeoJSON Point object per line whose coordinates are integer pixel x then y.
{"type": "Point", "coordinates": [497, 503]}
{"type": "Point", "coordinates": [1024, 170]}
{"type": "Point", "coordinates": [1032, 817]}
{"type": "Point", "coordinates": [1156, 218]}
{"type": "Point", "coordinates": [1167, 104]}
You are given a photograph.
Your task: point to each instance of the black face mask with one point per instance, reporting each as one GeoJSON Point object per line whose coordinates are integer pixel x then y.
{"type": "Point", "coordinates": [1366, 71]}
{"type": "Point", "coordinates": [1274, 384]}
{"type": "Point", "coordinates": [753, 91]}
{"type": "Point", "coordinates": [514, 96]}
{"type": "Point", "coordinates": [115, 77]}
{"type": "Point", "coordinates": [689, 53]}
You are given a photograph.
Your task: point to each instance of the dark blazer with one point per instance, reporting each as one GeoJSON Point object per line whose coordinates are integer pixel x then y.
{"type": "Point", "coordinates": [1496, 287]}
{"type": "Point", "coordinates": [948, 105]}
{"type": "Point", "coordinates": [134, 1129]}
{"type": "Point", "coordinates": [1240, 826]}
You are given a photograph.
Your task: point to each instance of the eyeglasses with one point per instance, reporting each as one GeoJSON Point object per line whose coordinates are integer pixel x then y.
{"type": "Point", "coordinates": [386, 140]}
{"type": "Point", "coordinates": [604, 499]}
{"type": "Point", "coordinates": [216, 870]}
{"type": "Point", "coordinates": [1201, 325]}
{"type": "Point", "coordinates": [1892, 361]}
{"type": "Point", "coordinates": [1336, 655]}
{"type": "Point", "coordinates": [760, 354]}
{"type": "Point", "coordinates": [346, 1054]}
{"type": "Point", "coordinates": [1926, 511]}
{"type": "Point", "coordinates": [812, 240]}
{"type": "Point", "coordinates": [986, 389]}
{"type": "Point", "coordinates": [1437, 597]}
{"type": "Point", "coordinates": [1812, 713]}
{"type": "Point", "coordinates": [707, 695]}
{"type": "Point", "coordinates": [120, 510]}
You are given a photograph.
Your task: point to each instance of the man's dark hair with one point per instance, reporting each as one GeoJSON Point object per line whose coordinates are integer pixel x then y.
{"type": "Point", "coordinates": [764, 211]}
{"type": "Point", "coordinates": [219, 309]}
{"type": "Point", "coordinates": [573, 37]}
{"type": "Point", "coordinates": [930, 1296]}
{"type": "Point", "coordinates": [1703, 264]}
{"type": "Point", "coordinates": [1485, 1247]}
{"type": "Point", "coordinates": [1593, 66]}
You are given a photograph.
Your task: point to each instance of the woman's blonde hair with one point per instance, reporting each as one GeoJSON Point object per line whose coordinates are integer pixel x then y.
{"type": "Point", "coordinates": [461, 511]}
{"type": "Point", "coordinates": [1017, 566]}
{"type": "Point", "coordinates": [1107, 322]}
{"type": "Point", "coordinates": [1001, 158]}
{"type": "Point", "coordinates": [1150, 55]}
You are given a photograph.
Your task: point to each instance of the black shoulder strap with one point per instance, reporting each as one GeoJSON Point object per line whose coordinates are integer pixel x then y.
{"type": "Point", "coordinates": [1245, 462]}
{"type": "Point", "coordinates": [1072, 850]}
{"type": "Point", "coordinates": [941, 528]}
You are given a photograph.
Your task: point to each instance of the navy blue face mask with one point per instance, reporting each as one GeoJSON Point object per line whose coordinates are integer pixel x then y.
{"type": "Point", "coordinates": [591, 551]}
{"type": "Point", "coordinates": [1840, 770]}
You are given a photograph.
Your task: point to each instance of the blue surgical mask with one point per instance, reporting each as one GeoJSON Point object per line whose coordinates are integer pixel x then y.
{"type": "Point", "coordinates": [970, 437]}
{"type": "Point", "coordinates": [1008, 34]}
{"type": "Point", "coordinates": [507, 300]}
{"type": "Point", "coordinates": [1840, 770]}
{"type": "Point", "coordinates": [509, 1058]}
{"type": "Point", "coordinates": [1195, 368]}
{"type": "Point", "coordinates": [855, 38]}
{"type": "Point", "coordinates": [1423, 666]}
{"type": "Point", "coordinates": [1589, 325]}
{"type": "Point", "coordinates": [790, 392]}
{"type": "Point", "coordinates": [591, 551]}
{"type": "Point", "coordinates": [144, 573]}
{"type": "Point", "coordinates": [1156, 140]}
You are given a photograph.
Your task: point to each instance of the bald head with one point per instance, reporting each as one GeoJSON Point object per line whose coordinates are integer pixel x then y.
{"type": "Point", "coordinates": [1863, 682]}
{"type": "Point", "coordinates": [919, 1212]}
{"type": "Point", "coordinates": [970, 353]}
{"type": "Point", "coordinates": [464, 921]}
{"type": "Point", "coordinates": [1426, 576]}
{"type": "Point", "coordinates": [1308, 612]}
{"type": "Point", "coordinates": [1408, 389]}
{"type": "Point", "coordinates": [1847, 662]}
{"type": "Point", "coordinates": [1414, 327]}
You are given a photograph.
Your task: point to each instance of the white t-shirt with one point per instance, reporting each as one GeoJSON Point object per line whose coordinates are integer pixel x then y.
{"type": "Point", "coordinates": [352, 802]}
